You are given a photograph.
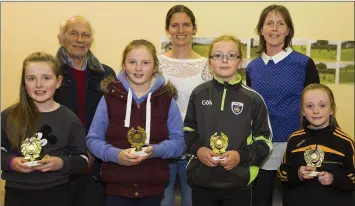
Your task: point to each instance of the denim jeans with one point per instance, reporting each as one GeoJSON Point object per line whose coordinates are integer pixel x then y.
{"type": "Point", "coordinates": [185, 190]}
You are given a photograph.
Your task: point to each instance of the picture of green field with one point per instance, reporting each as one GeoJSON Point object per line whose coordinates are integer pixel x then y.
{"type": "Point", "coordinates": [347, 51]}
{"type": "Point", "coordinates": [326, 73]}
{"type": "Point", "coordinates": [327, 76]}
{"type": "Point", "coordinates": [201, 49]}
{"type": "Point", "coordinates": [322, 51]}
{"type": "Point", "coordinates": [347, 55]}
{"type": "Point", "coordinates": [323, 55]}
{"type": "Point", "coordinates": [346, 74]}
{"type": "Point", "coordinates": [300, 48]}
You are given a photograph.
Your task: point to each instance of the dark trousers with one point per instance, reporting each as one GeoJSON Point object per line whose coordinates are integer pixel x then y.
{"type": "Point", "coordinates": [124, 201]}
{"type": "Point", "coordinates": [86, 191]}
{"type": "Point", "coordinates": [55, 196]}
{"type": "Point", "coordinates": [220, 197]}
{"type": "Point", "coordinates": [262, 192]}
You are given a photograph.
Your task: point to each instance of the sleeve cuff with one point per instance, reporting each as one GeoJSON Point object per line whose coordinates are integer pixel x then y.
{"type": "Point", "coordinates": [8, 163]}
{"type": "Point", "coordinates": [294, 177]}
{"type": "Point", "coordinates": [66, 166]}
{"type": "Point", "coordinates": [157, 150]}
{"type": "Point", "coordinates": [341, 181]}
{"type": "Point", "coordinates": [195, 147]}
{"type": "Point", "coordinates": [112, 155]}
{"type": "Point", "coordinates": [242, 156]}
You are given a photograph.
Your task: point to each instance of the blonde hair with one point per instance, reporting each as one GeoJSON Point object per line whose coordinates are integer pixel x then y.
{"type": "Point", "coordinates": [227, 38]}
{"type": "Point", "coordinates": [141, 43]}
{"type": "Point", "coordinates": [332, 120]}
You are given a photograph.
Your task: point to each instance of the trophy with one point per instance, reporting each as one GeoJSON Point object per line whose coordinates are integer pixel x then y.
{"type": "Point", "coordinates": [219, 144]}
{"type": "Point", "coordinates": [314, 158]}
{"type": "Point", "coordinates": [31, 148]}
{"type": "Point", "coordinates": [137, 140]}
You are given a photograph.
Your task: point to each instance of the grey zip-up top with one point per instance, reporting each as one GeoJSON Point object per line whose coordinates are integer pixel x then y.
{"type": "Point", "coordinates": [240, 113]}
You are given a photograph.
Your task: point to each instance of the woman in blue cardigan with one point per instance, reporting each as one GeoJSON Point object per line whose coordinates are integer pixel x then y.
{"type": "Point", "coordinates": [279, 74]}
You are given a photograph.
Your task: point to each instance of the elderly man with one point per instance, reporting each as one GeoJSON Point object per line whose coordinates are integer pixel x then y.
{"type": "Point", "coordinates": [80, 92]}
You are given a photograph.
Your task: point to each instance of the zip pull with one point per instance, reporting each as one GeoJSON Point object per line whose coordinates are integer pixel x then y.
{"type": "Point", "coordinates": [139, 106]}
{"type": "Point", "coordinates": [224, 95]}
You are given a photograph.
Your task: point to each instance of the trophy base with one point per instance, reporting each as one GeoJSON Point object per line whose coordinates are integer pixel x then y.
{"type": "Point", "coordinates": [218, 158]}
{"type": "Point", "coordinates": [313, 174]}
{"type": "Point", "coordinates": [32, 164]}
{"type": "Point", "coordinates": [140, 153]}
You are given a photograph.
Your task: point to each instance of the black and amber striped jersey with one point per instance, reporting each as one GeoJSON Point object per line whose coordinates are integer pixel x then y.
{"type": "Point", "coordinates": [332, 151]}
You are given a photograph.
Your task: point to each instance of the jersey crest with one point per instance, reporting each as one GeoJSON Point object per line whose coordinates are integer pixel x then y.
{"type": "Point", "coordinates": [237, 107]}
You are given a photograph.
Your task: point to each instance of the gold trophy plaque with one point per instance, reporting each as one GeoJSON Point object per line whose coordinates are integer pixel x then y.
{"type": "Point", "coordinates": [31, 148]}
{"type": "Point", "coordinates": [219, 144]}
{"type": "Point", "coordinates": [314, 158]}
{"type": "Point", "coordinates": [137, 140]}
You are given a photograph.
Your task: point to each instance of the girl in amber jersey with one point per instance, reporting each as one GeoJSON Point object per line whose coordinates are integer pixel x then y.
{"type": "Point", "coordinates": [318, 167]}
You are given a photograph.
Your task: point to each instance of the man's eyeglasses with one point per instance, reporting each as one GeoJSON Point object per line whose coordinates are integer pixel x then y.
{"type": "Point", "coordinates": [228, 56]}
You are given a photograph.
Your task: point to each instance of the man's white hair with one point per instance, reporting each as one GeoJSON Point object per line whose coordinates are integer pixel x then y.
{"type": "Point", "coordinates": [63, 27]}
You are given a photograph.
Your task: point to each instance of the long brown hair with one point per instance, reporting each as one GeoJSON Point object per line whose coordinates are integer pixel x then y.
{"type": "Point", "coordinates": [283, 11]}
{"type": "Point", "coordinates": [332, 120]}
{"type": "Point", "coordinates": [23, 116]}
